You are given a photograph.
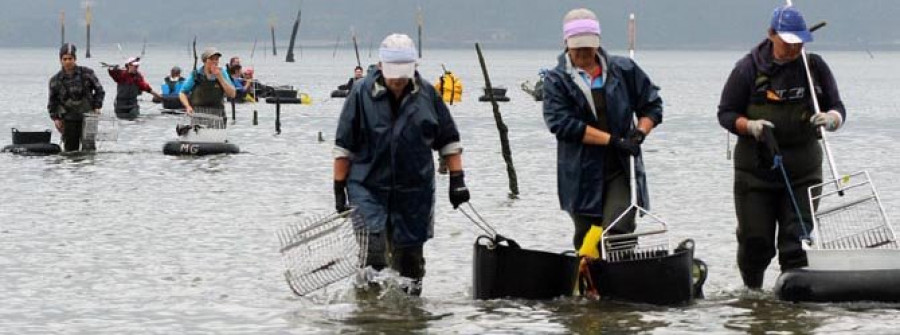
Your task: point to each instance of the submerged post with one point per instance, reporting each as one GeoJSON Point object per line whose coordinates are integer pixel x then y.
{"type": "Point", "coordinates": [62, 27]}
{"type": "Point", "coordinates": [88, 17]}
{"type": "Point", "coordinates": [278, 115]}
{"type": "Point", "coordinates": [290, 54]}
{"type": "Point", "coordinates": [501, 128]}
{"type": "Point", "coordinates": [274, 50]}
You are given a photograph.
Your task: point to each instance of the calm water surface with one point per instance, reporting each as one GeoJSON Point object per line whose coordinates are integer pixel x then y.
{"type": "Point", "coordinates": [128, 240]}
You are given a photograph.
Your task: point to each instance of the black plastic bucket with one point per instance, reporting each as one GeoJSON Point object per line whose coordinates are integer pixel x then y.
{"type": "Point", "coordinates": [664, 279]}
{"type": "Point", "coordinates": [508, 271]}
{"type": "Point", "coordinates": [30, 137]}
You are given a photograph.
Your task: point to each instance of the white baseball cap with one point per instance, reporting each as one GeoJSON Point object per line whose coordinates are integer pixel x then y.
{"type": "Point", "coordinates": [398, 56]}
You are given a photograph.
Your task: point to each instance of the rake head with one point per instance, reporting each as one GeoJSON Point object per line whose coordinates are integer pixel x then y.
{"type": "Point", "coordinates": [649, 240]}
{"type": "Point", "coordinates": [849, 215]}
{"type": "Point", "coordinates": [323, 250]}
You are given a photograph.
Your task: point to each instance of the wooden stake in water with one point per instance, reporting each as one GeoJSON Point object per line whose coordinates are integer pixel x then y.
{"type": "Point", "coordinates": [62, 27]}
{"type": "Point", "coordinates": [290, 54]}
{"type": "Point", "coordinates": [501, 128]}
{"type": "Point", "coordinates": [420, 20]}
{"type": "Point", "coordinates": [274, 48]}
{"type": "Point", "coordinates": [278, 115]}
{"type": "Point", "coordinates": [88, 18]}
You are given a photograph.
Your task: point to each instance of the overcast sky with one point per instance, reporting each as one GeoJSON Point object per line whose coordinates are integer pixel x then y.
{"type": "Point", "coordinates": [662, 24]}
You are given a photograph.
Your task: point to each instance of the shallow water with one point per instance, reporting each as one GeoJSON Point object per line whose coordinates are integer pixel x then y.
{"type": "Point", "coordinates": [131, 241]}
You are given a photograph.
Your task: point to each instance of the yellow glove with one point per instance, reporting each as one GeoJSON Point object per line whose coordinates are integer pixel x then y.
{"type": "Point", "coordinates": [590, 242]}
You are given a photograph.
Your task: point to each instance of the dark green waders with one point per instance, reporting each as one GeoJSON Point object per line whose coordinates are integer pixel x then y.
{"type": "Point", "coordinates": [765, 215]}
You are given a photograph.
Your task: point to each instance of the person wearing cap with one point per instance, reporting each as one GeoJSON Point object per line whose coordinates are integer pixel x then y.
{"type": "Point", "coordinates": [208, 85]}
{"type": "Point", "coordinates": [590, 101]}
{"type": "Point", "coordinates": [74, 91]}
{"type": "Point", "coordinates": [129, 85]}
{"type": "Point", "coordinates": [390, 125]}
{"type": "Point", "coordinates": [172, 83]}
{"type": "Point", "coordinates": [768, 91]}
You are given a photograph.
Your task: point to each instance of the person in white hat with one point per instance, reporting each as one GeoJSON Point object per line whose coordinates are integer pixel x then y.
{"type": "Point", "coordinates": [129, 85]}
{"type": "Point", "coordinates": [208, 85]}
{"type": "Point", "coordinates": [590, 101]}
{"type": "Point", "coordinates": [391, 124]}
{"type": "Point", "coordinates": [767, 93]}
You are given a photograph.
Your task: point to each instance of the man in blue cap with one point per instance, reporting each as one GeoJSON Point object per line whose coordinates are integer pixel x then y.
{"type": "Point", "coordinates": [768, 88]}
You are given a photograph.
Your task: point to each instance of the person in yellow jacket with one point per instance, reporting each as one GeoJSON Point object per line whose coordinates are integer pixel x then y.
{"type": "Point", "coordinates": [450, 87]}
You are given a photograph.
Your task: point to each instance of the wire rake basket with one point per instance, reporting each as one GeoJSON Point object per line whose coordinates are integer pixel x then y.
{"type": "Point", "coordinates": [850, 215]}
{"type": "Point", "coordinates": [99, 128]}
{"type": "Point", "coordinates": [320, 251]}
{"type": "Point", "coordinates": [649, 240]}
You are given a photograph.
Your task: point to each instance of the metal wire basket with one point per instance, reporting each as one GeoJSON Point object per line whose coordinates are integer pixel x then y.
{"type": "Point", "coordinates": [850, 215]}
{"type": "Point", "coordinates": [321, 251]}
{"type": "Point", "coordinates": [649, 240]}
{"type": "Point", "coordinates": [99, 127]}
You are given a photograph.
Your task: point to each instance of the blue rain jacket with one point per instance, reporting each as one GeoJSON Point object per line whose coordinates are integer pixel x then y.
{"type": "Point", "coordinates": [568, 110]}
{"type": "Point", "coordinates": [391, 176]}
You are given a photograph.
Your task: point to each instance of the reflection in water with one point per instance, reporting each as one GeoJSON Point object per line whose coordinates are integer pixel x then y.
{"type": "Point", "coordinates": [759, 313]}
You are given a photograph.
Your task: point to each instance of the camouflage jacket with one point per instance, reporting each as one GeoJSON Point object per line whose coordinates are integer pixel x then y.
{"type": "Point", "coordinates": [82, 84]}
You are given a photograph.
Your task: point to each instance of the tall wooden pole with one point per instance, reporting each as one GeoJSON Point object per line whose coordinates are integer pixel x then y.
{"type": "Point", "coordinates": [501, 128]}
{"type": "Point", "coordinates": [88, 18]}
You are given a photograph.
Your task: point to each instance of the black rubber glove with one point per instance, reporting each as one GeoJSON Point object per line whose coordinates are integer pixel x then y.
{"type": "Point", "coordinates": [636, 136]}
{"type": "Point", "coordinates": [340, 196]}
{"type": "Point", "coordinates": [458, 191]}
{"type": "Point", "coordinates": [625, 145]}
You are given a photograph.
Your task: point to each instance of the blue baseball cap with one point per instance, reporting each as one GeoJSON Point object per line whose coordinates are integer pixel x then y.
{"type": "Point", "coordinates": [789, 24]}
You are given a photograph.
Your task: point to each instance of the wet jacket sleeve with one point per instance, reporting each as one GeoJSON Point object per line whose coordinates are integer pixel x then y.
{"type": "Point", "coordinates": [96, 89]}
{"type": "Point", "coordinates": [347, 138]}
{"type": "Point", "coordinates": [115, 74]}
{"type": "Point", "coordinates": [53, 100]}
{"type": "Point", "coordinates": [560, 114]}
{"type": "Point", "coordinates": [447, 139]}
{"type": "Point", "coordinates": [143, 84]}
{"type": "Point", "coordinates": [646, 101]}
{"type": "Point", "coordinates": [735, 95]}
{"type": "Point", "coordinates": [829, 98]}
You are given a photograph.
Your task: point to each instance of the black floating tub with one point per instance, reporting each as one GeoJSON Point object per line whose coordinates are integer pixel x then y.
{"type": "Point", "coordinates": [32, 143]}
{"type": "Point", "coordinates": [660, 279]}
{"type": "Point", "coordinates": [340, 93]}
{"type": "Point", "coordinates": [33, 149]}
{"type": "Point", "coordinates": [283, 100]}
{"type": "Point", "coordinates": [499, 98]}
{"type": "Point", "coordinates": [182, 148]}
{"type": "Point", "coordinates": [508, 271]}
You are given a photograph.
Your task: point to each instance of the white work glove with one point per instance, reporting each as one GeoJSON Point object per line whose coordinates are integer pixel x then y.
{"type": "Point", "coordinates": [831, 120]}
{"type": "Point", "coordinates": [755, 127]}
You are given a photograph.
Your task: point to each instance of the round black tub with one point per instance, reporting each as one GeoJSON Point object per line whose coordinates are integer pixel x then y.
{"type": "Point", "coordinates": [33, 149]}
{"type": "Point", "coordinates": [182, 148]}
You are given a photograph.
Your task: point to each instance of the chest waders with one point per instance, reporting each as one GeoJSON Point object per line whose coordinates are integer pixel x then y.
{"type": "Point", "coordinates": [126, 105]}
{"type": "Point", "coordinates": [207, 93]}
{"type": "Point", "coordinates": [763, 206]}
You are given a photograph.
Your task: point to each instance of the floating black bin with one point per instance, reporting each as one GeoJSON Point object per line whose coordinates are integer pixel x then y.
{"type": "Point", "coordinates": [802, 284]}
{"type": "Point", "coordinates": [508, 271]}
{"type": "Point", "coordinates": [498, 98]}
{"type": "Point", "coordinates": [498, 91]}
{"type": "Point", "coordinates": [171, 102]}
{"type": "Point", "coordinates": [283, 100]}
{"type": "Point", "coordinates": [662, 279]}
{"type": "Point", "coordinates": [340, 93]}
{"type": "Point", "coordinates": [30, 137]}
